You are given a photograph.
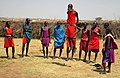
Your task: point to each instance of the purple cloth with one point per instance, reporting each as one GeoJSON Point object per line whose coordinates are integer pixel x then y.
{"type": "Point", "coordinates": [83, 45]}
{"type": "Point", "coordinates": [45, 36]}
{"type": "Point", "coordinates": [45, 42]}
{"type": "Point", "coordinates": [112, 57]}
{"type": "Point", "coordinates": [109, 55]}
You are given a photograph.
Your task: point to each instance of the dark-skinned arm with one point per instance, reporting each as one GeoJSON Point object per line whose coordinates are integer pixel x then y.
{"type": "Point", "coordinates": [4, 32]}
{"type": "Point", "coordinates": [78, 30]}
{"type": "Point", "coordinates": [98, 33]}
{"type": "Point", "coordinates": [24, 30]}
{"type": "Point", "coordinates": [108, 44]}
{"type": "Point", "coordinates": [88, 33]}
{"type": "Point", "coordinates": [41, 34]}
{"type": "Point", "coordinates": [77, 18]}
{"type": "Point", "coordinates": [49, 34]}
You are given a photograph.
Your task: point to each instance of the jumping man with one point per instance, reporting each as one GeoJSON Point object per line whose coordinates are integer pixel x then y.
{"type": "Point", "coordinates": [71, 30]}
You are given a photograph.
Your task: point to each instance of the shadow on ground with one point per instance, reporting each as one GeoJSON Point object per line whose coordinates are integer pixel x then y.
{"type": "Point", "coordinates": [60, 64]}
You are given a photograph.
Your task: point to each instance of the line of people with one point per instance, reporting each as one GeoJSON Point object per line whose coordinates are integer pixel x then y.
{"type": "Point", "coordinates": [89, 39]}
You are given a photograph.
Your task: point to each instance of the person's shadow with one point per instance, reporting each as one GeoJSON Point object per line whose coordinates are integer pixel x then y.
{"type": "Point", "coordinates": [39, 56]}
{"type": "Point", "coordinates": [98, 68]}
{"type": "Point", "coordinates": [60, 64]}
{"type": "Point", "coordinates": [3, 56]}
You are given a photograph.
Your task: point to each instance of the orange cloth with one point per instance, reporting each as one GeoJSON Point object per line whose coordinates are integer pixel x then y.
{"type": "Point", "coordinates": [84, 39]}
{"type": "Point", "coordinates": [84, 35]}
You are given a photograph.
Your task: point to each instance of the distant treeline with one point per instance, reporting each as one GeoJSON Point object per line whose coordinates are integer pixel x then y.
{"type": "Point", "coordinates": [36, 27]}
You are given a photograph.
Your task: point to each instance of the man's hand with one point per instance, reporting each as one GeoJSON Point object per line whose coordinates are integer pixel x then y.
{"type": "Point", "coordinates": [14, 36]}
{"type": "Point", "coordinates": [50, 42]}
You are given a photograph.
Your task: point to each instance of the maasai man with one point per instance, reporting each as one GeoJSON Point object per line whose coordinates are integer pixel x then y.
{"type": "Point", "coordinates": [84, 41]}
{"type": "Point", "coordinates": [94, 41]}
{"type": "Point", "coordinates": [108, 50]}
{"type": "Point", "coordinates": [106, 26]}
{"type": "Point", "coordinates": [71, 30]}
{"type": "Point", "coordinates": [27, 36]}
{"type": "Point", "coordinates": [45, 38]}
{"type": "Point", "coordinates": [59, 38]}
{"type": "Point", "coordinates": [8, 41]}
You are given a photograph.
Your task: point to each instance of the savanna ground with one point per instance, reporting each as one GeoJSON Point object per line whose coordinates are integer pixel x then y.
{"type": "Point", "coordinates": [36, 66]}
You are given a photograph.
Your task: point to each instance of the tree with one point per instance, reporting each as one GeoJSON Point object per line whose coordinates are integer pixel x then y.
{"type": "Point", "coordinates": [98, 19]}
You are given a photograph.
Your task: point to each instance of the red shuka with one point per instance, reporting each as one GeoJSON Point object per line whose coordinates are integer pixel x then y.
{"type": "Point", "coordinates": [71, 17]}
{"type": "Point", "coordinates": [84, 40]}
{"type": "Point", "coordinates": [24, 40]}
{"type": "Point", "coordinates": [8, 41]}
{"type": "Point", "coordinates": [71, 29]}
{"type": "Point", "coordinates": [94, 41]}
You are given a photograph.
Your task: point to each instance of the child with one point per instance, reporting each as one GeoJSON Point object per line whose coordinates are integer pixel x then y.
{"type": "Point", "coordinates": [8, 40]}
{"type": "Point", "coordinates": [108, 50]}
{"type": "Point", "coordinates": [45, 38]}
{"type": "Point", "coordinates": [84, 41]}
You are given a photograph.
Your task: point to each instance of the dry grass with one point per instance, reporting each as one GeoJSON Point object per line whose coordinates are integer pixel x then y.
{"type": "Point", "coordinates": [36, 66]}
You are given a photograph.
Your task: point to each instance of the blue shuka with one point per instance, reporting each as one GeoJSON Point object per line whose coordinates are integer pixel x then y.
{"type": "Point", "coordinates": [59, 36]}
{"type": "Point", "coordinates": [27, 34]}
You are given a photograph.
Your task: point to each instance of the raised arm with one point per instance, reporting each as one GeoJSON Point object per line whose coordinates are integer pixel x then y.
{"type": "Point", "coordinates": [78, 30]}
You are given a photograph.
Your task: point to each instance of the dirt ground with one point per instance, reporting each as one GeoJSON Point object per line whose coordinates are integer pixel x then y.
{"type": "Point", "coordinates": [36, 66]}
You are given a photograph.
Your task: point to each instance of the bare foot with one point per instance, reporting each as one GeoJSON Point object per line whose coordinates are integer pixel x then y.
{"type": "Point", "coordinates": [108, 71]}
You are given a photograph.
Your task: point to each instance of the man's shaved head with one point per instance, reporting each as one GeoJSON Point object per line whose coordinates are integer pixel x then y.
{"type": "Point", "coordinates": [70, 7]}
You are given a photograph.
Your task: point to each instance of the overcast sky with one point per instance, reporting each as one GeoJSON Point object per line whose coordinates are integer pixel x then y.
{"type": "Point", "coordinates": [56, 9]}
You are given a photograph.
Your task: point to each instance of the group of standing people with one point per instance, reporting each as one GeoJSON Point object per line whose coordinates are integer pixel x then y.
{"type": "Point", "coordinates": [89, 39]}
